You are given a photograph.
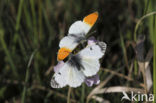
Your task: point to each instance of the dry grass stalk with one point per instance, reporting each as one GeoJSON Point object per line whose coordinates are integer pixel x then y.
{"type": "Point", "coordinates": [119, 89]}
{"type": "Point", "coordinates": [100, 99]}
{"type": "Point", "coordinates": [123, 76]}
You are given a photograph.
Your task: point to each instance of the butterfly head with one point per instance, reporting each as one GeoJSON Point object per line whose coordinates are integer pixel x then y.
{"type": "Point", "coordinates": [63, 53]}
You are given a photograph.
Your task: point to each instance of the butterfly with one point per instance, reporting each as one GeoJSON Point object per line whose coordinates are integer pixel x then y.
{"type": "Point", "coordinates": [76, 34]}
{"type": "Point", "coordinates": [79, 66]}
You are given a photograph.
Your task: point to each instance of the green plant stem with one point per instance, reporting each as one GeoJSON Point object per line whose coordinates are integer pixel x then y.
{"type": "Point", "coordinates": [17, 27]}
{"type": "Point", "coordinates": [19, 15]}
{"type": "Point", "coordinates": [154, 61]}
{"type": "Point", "coordinates": [40, 19]}
{"type": "Point", "coordinates": [27, 78]}
{"type": "Point", "coordinates": [8, 54]}
{"type": "Point", "coordinates": [83, 93]}
{"type": "Point", "coordinates": [69, 92]}
{"type": "Point", "coordinates": [24, 89]}
{"type": "Point", "coordinates": [124, 50]}
{"type": "Point", "coordinates": [139, 22]}
{"type": "Point", "coordinates": [34, 23]}
{"type": "Point", "coordinates": [35, 38]}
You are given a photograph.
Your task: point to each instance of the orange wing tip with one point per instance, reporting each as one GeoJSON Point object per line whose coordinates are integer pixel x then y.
{"type": "Point", "coordinates": [91, 18]}
{"type": "Point", "coordinates": [63, 53]}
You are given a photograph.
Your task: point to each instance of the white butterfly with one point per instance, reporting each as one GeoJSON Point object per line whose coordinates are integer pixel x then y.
{"type": "Point", "coordinates": [76, 34]}
{"type": "Point", "coordinates": [79, 66]}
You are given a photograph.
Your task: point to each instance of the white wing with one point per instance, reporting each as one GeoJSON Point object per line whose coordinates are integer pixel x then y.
{"type": "Point", "coordinates": [54, 84]}
{"type": "Point", "coordinates": [76, 33]}
{"type": "Point", "coordinates": [90, 58]}
{"type": "Point", "coordinates": [74, 77]}
{"type": "Point", "coordinates": [58, 81]}
{"type": "Point", "coordinates": [95, 51]}
{"type": "Point", "coordinates": [69, 42]}
{"type": "Point", "coordinates": [68, 75]}
{"type": "Point", "coordinates": [79, 28]}
{"type": "Point", "coordinates": [91, 66]}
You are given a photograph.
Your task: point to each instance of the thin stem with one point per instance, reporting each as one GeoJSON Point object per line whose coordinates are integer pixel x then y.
{"type": "Point", "coordinates": [8, 54]}
{"type": "Point", "coordinates": [124, 50]}
{"type": "Point", "coordinates": [154, 61]}
{"type": "Point", "coordinates": [139, 21]}
{"type": "Point", "coordinates": [69, 92]}
{"type": "Point", "coordinates": [17, 27]}
{"type": "Point", "coordinates": [82, 93]}
{"type": "Point", "coordinates": [19, 15]}
{"type": "Point", "coordinates": [27, 77]}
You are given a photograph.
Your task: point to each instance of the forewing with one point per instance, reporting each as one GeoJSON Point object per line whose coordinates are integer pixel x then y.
{"type": "Point", "coordinates": [68, 42]}
{"type": "Point", "coordinates": [79, 28]}
{"type": "Point", "coordinates": [83, 27]}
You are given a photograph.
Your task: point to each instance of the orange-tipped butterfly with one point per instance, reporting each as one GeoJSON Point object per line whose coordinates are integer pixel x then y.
{"type": "Point", "coordinates": [79, 66]}
{"type": "Point", "coordinates": [76, 33]}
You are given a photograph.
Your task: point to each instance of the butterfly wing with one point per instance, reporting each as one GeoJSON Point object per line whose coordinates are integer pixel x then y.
{"type": "Point", "coordinates": [76, 34]}
{"type": "Point", "coordinates": [70, 41]}
{"type": "Point", "coordinates": [58, 80]}
{"type": "Point", "coordinates": [74, 77]}
{"type": "Point", "coordinates": [79, 28]}
{"type": "Point", "coordinates": [90, 58]}
{"type": "Point", "coordinates": [54, 84]}
{"type": "Point", "coordinates": [83, 27]}
{"type": "Point", "coordinates": [67, 75]}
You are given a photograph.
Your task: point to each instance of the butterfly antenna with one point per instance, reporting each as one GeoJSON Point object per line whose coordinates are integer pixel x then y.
{"type": "Point", "coordinates": [93, 32]}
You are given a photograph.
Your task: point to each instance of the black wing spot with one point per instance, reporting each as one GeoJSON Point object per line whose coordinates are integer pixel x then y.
{"type": "Point", "coordinates": [76, 62]}
{"type": "Point", "coordinates": [59, 73]}
{"type": "Point", "coordinates": [102, 46]}
{"type": "Point", "coordinates": [54, 84]}
{"type": "Point", "coordinates": [91, 48]}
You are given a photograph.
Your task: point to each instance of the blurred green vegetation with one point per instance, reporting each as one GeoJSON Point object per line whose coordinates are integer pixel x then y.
{"type": "Point", "coordinates": [30, 31]}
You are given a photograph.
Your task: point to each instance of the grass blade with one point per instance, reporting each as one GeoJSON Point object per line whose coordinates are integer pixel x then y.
{"type": "Point", "coordinates": [27, 77]}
